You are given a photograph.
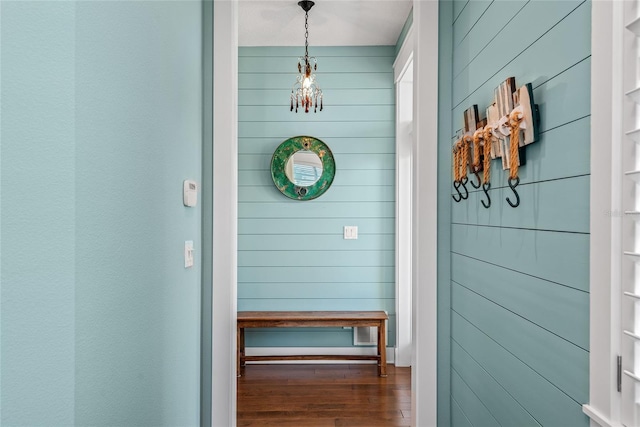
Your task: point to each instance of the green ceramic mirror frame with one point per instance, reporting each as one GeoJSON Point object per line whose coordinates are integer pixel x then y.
{"type": "Point", "coordinates": [279, 164]}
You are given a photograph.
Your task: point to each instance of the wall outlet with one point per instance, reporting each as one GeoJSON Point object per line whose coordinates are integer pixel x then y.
{"type": "Point", "coordinates": [351, 232]}
{"type": "Point", "coordinates": [188, 254]}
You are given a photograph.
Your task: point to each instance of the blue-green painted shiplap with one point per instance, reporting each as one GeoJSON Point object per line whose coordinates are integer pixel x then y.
{"type": "Point", "coordinates": [473, 407]}
{"type": "Point", "coordinates": [519, 283]}
{"type": "Point", "coordinates": [291, 255]}
{"type": "Point", "coordinates": [446, 407]}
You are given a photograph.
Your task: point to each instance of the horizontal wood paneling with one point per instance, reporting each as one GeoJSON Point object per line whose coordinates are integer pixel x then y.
{"type": "Point", "coordinates": [316, 304]}
{"type": "Point", "coordinates": [538, 33]}
{"type": "Point", "coordinates": [291, 254]}
{"type": "Point", "coordinates": [553, 205]}
{"type": "Point", "coordinates": [558, 309]}
{"type": "Point", "coordinates": [313, 126]}
{"type": "Point", "coordinates": [356, 177]}
{"type": "Point", "coordinates": [339, 145]}
{"type": "Point", "coordinates": [278, 274]}
{"type": "Point", "coordinates": [549, 405]}
{"type": "Point", "coordinates": [306, 289]}
{"type": "Point", "coordinates": [458, 7]}
{"type": "Point", "coordinates": [326, 64]}
{"type": "Point", "coordinates": [520, 277]}
{"type": "Point", "coordinates": [300, 226]}
{"type": "Point", "coordinates": [503, 407]}
{"type": "Point", "coordinates": [338, 194]}
{"type": "Point", "coordinates": [316, 258]}
{"type": "Point", "coordinates": [541, 254]}
{"type": "Point", "coordinates": [546, 165]}
{"type": "Point", "coordinates": [458, 418]}
{"type": "Point", "coordinates": [468, 19]}
{"type": "Point", "coordinates": [560, 362]}
{"type": "Point", "coordinates": [336, 113]}
{"type": "Point", "coordinates": [550, 94]}
{"type": "Point", "coordinates": [362, 161]}
{"type": "Point", "coordinates": [312, 242]}
{"type": "Point", "coordinates": [321, 209]}
{"type": "Point", "coordinates": [307, 337]}
{"type": "Point", "coordinates": [467, 399]}
{"type": "Point", "coordinates": [346, 96]}
{"type": "Point", "coordinates": [327, 81]}
{"type": "Point", "coordinates": [489, 25]}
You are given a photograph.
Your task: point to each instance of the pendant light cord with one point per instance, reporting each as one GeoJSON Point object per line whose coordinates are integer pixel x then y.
{"type": "Point", "coordinates": [306, 36]}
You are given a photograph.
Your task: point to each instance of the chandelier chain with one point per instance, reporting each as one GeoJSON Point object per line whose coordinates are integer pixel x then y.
{"type": "Point", "coordinates": [306, 34]}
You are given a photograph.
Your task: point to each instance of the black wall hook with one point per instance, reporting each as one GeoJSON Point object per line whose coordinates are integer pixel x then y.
{"type": "Point", "coordinates": [485, 188]}
{"type": "Point", "coordinates": [513, 188]}
{"type": "Point", "coordinates": [463, 182]}
{"type": "Point", "coordinates": [456, 185]}
{"type": "Point", "coordinates": [477, 180]}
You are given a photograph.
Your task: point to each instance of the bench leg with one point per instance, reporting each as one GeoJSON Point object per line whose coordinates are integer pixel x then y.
{"type": "Point", "coordinates": [240, 351]}
{"type": "Point", "coordinates": [382, 350]}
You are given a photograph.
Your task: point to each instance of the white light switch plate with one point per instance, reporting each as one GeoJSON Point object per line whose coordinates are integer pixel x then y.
{"type": "Point", "coordinates": [351, 232]}
{"type": "Point", "coordinates": [188, 254]}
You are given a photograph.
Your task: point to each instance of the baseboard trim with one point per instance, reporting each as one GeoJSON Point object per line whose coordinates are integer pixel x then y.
{"type": "Point", "coordinates": [598, 417]}
{"type": "Point", "coordinates": [351, 351]}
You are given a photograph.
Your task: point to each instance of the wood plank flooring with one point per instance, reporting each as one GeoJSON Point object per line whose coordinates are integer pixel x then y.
{"type": "Point", "coordinates": [338, 395]}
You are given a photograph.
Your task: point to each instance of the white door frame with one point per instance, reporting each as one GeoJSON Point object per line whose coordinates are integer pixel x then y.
{"type": "Point", "coordinates": [605, 216]}
{"type": "Point", "coordinates": [425, 205]}
{"type": "Point", "coordinates": [403, 78]}
{"type": "Point", "coordinates": [225, 218]}
{"type": "Point", "coordinates": [225, 213]}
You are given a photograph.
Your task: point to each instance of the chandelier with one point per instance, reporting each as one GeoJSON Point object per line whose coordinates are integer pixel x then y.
{"type": "Point", "coordinates": [306, 91]}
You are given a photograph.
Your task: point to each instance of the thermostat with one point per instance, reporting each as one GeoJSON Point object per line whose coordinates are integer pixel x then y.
{"type": "Point", "coordinates": [190, 193]}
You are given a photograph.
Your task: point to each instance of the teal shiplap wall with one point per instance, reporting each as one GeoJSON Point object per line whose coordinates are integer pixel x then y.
{"type": "Point", "coordinates": [445, 64]}
{"type": "Point", "coordinates": [291, 254]}
{"type": "Point", "coordinates": [100, 123]}
{"type": "Point", "coordinates": [520, 277]}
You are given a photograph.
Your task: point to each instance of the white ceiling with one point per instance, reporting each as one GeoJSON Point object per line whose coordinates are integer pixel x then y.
{"type": "Point", "coordinates": [331, 22]}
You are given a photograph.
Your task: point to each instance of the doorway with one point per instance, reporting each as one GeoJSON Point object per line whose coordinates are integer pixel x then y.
{"type": "Point", "coordinates": [424, 230]}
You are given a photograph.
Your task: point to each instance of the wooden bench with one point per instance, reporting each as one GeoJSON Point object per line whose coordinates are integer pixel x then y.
{"type": "Point", "coordinates": [296, 319]}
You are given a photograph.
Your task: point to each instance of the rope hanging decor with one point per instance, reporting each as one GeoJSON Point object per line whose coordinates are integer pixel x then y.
{"type": "Point", "coordinates": [515, 118]}
{"type": "Point", "coordinates": [456, 169]}
{"type": "Point", "coordinates": [465, 158]}
{"type": "Point", "coordinates": [476, 162]}
{"type": "Point", "coordinates": [486, 178]}
{"type": "Point", "coordinates": [459, 171]}
{"type": "Point", "coordinates": [456, 173]}
{"type": "Point", "coordinates": [511, 123]}
{"type": "Point", "coordinates": [486, 167]}
{"type": "Point", "coordinates": [476, 166]}
{"type": "Point", "coordinates": [463, 162]}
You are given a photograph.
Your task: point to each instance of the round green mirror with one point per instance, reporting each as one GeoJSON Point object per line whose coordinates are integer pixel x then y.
{"type": "Point", "coordinates": [303, 167]}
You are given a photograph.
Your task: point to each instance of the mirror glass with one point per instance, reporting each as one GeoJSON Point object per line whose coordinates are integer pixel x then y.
{"type": "Point", "coordinates": [304, 168]}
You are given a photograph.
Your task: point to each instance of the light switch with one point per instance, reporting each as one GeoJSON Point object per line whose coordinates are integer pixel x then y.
{"type": "Point", "coordinates": [188, 254]}
{"type": "Point", "coordinates": [351, 232]}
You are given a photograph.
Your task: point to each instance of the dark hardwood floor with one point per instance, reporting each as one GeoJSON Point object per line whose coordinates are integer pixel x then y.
{"type": "Point", "coordinates": [323, 395]}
